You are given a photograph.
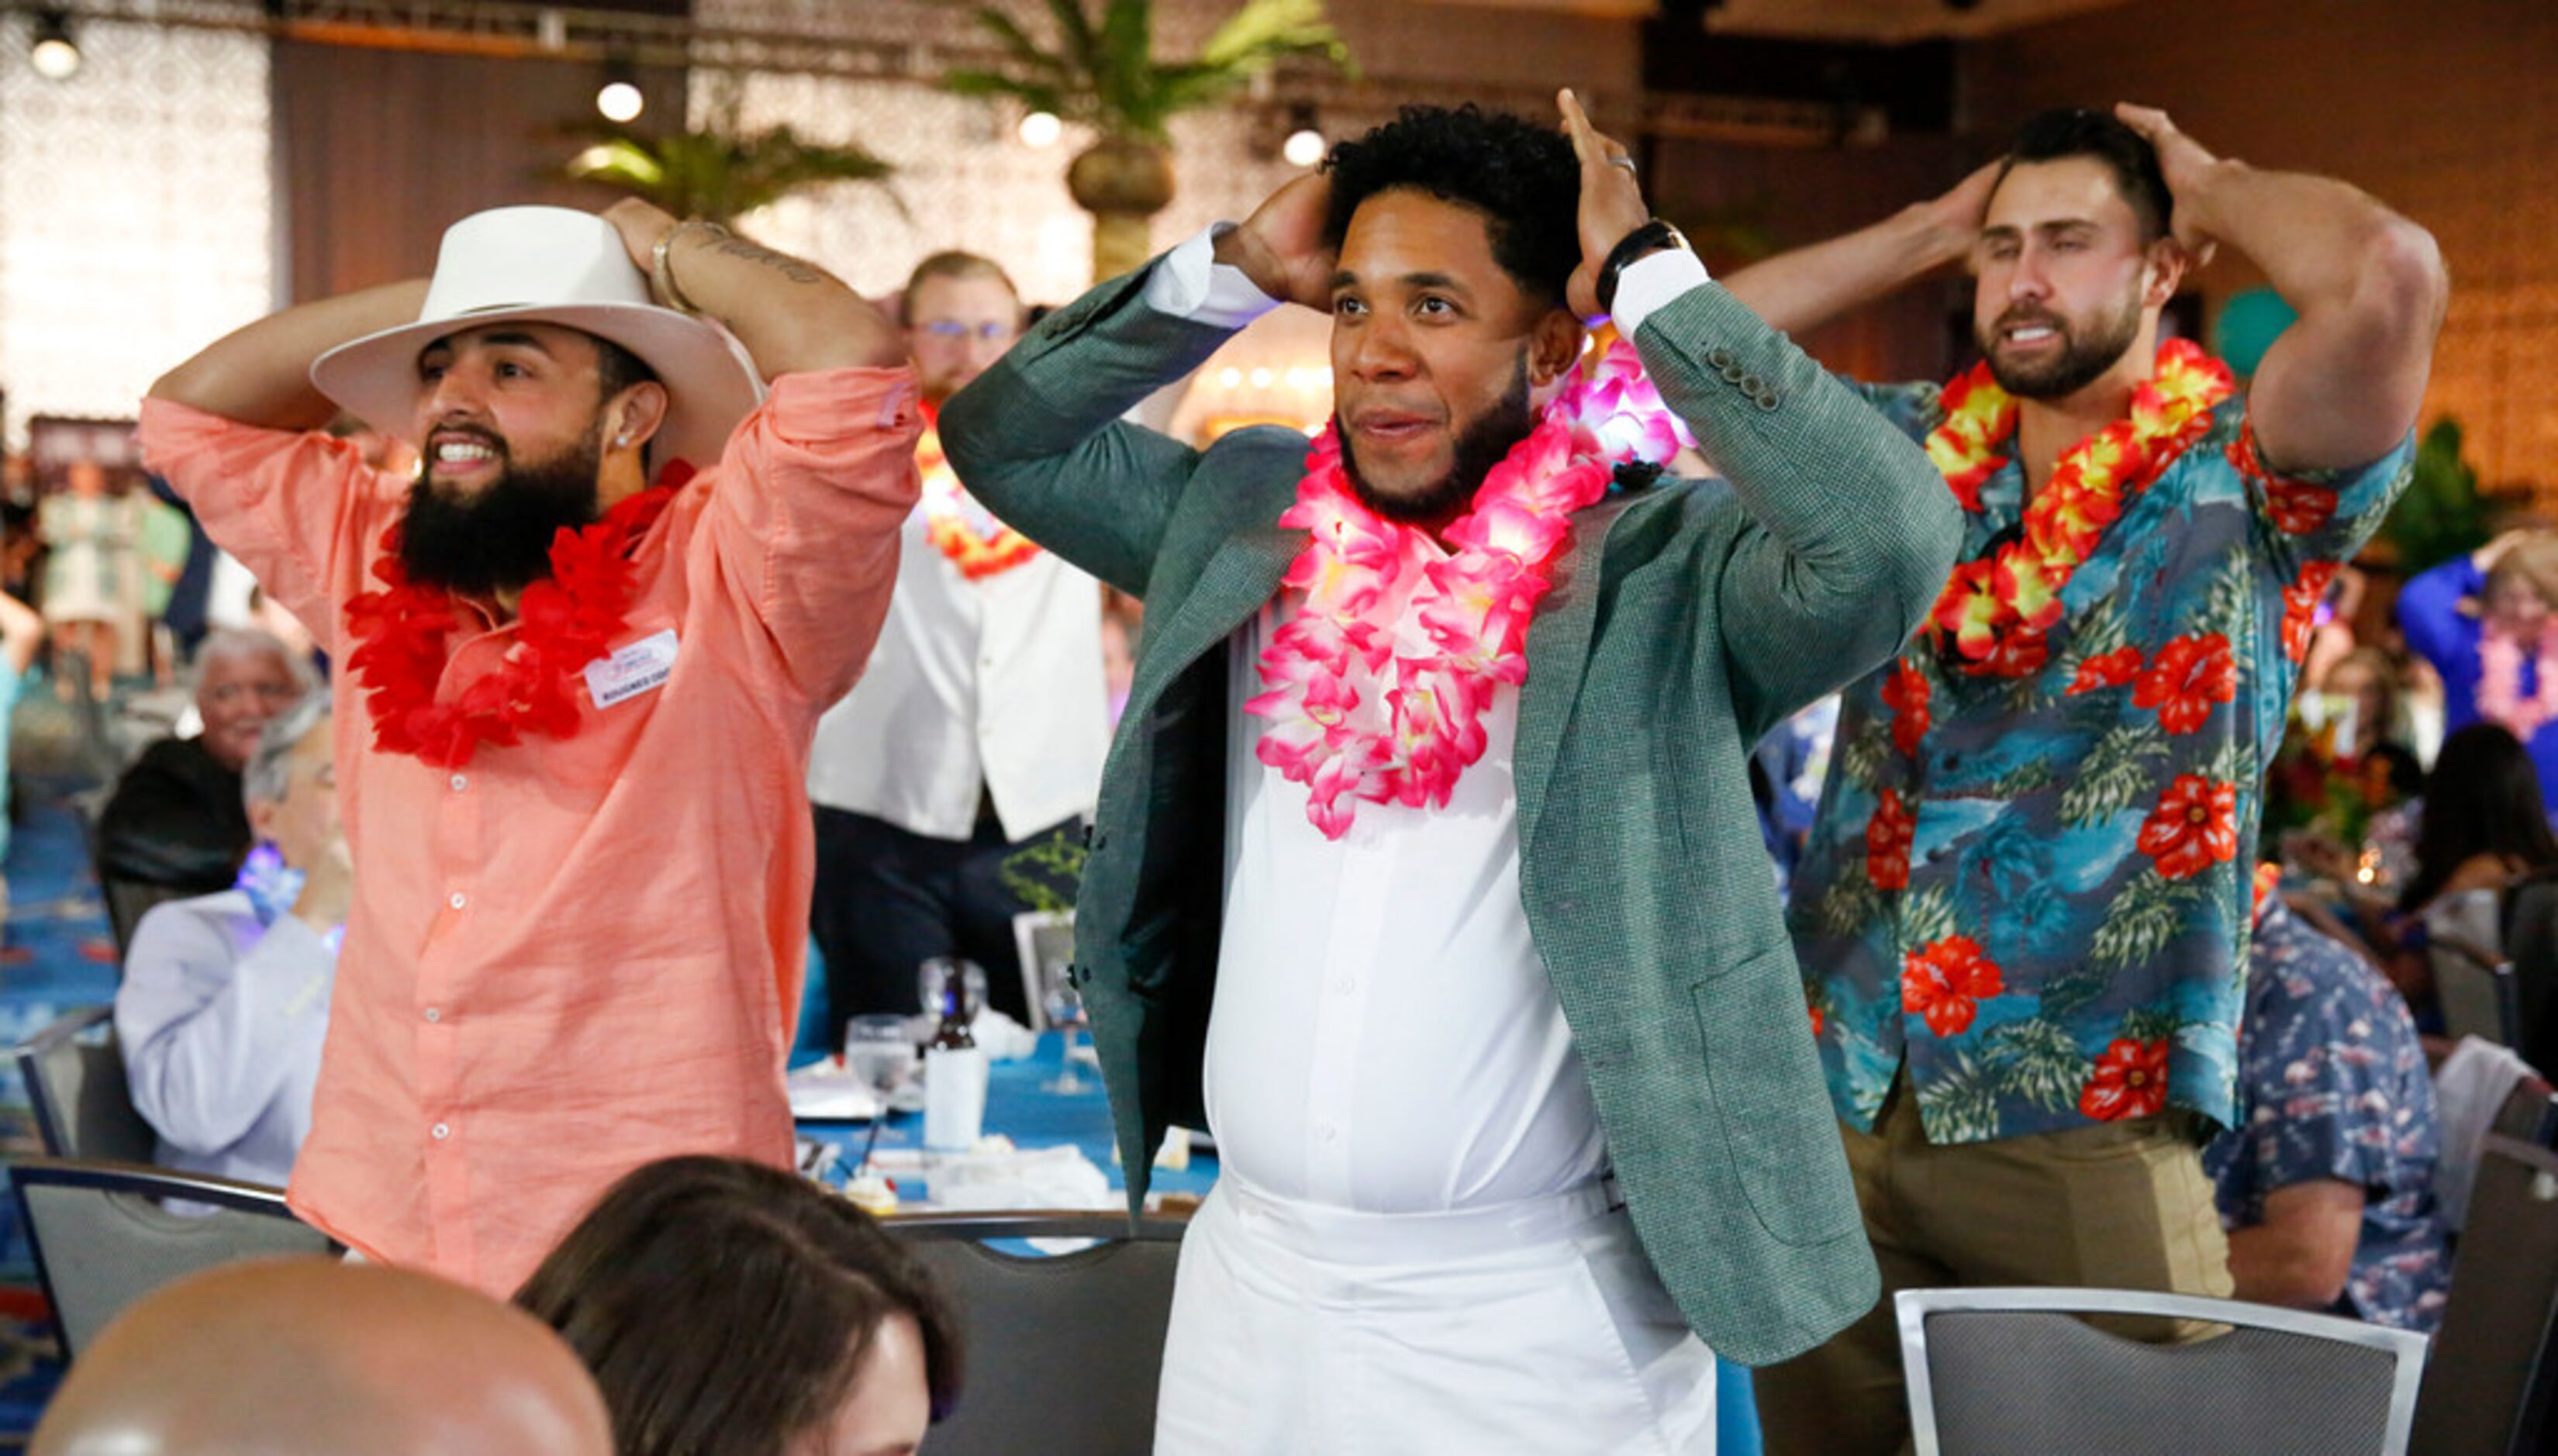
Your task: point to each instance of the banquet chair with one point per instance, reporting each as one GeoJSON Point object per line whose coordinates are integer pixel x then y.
{"type": "Point", "coordinates": [2531, 930]}
{"type": "Point", "coordinates": [102, 1240]}
{"type": "Point", "coordinates": [2476, 990]}
{"type": "Point", "coordinates": [1064, 1350]}
{"type": "Point", "coordinates": [2529, 1113]}
{"type": "Point", "coordinates": [2494, 1373]}
{"type": "Point", "coordinates": [2012, 1373]}
{"type": "Point", "coordinates": [125, 900]}
{"type": "Point", "coordinates": [75, 1086]}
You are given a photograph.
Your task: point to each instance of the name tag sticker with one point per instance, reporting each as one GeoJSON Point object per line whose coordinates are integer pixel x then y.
{"type": "Point", "coordinates": [639, 667]}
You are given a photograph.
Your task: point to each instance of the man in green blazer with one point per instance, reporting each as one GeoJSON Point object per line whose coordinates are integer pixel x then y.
{"type": "Point", "coordinates": [1459, 932]}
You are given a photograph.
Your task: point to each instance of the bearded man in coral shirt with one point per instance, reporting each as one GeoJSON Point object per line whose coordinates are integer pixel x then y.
{"type": "Point", "coordinates": [652, 536]}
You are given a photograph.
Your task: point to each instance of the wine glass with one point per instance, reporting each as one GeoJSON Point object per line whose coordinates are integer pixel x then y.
{"type": "Point", "coordinates": [879, 1050]}
{"type": "Point", "coordinates": [1063, 1005]}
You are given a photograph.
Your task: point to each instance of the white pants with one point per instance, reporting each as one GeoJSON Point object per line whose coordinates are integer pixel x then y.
{"type": "Point", "coordinates": [1529, 1327]}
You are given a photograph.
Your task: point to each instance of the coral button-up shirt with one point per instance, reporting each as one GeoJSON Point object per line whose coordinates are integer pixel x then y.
{"type": "Point", "coordinates": [574, 955]}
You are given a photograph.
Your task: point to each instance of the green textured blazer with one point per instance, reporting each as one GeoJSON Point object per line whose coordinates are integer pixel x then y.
{"type": "Point", "coordinates": [1689, 618]}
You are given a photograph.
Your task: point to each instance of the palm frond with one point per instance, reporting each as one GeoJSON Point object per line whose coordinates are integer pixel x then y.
{"type": "Point", "coordinates": [1103, 71]}
{"type": "Point", "coordinates": [720, 174]}
{"type": "Point", "coordinates": [1017, 42]}
{"type": "Point", "coordinates": [1265, 30]}
{"type": "Point", "coordinates": [1034, 95]}
{"type": "Point", "coordinates": [1075, 39]}
{"type": "Point", "coordinates": [619, 162]}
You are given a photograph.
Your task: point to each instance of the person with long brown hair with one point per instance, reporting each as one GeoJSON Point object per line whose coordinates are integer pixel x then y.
{"type": "Point", "coordinates": [2482, 827]}
{"type": "Point", "coordinates": [730, 1310]}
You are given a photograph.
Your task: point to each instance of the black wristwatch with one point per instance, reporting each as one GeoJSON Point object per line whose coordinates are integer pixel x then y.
{"type": "Point", "coordinates": [1642, 243]}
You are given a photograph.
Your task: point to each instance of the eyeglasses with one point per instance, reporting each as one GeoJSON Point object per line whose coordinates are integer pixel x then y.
{"type": "Point", "coordinates": [955, 329]}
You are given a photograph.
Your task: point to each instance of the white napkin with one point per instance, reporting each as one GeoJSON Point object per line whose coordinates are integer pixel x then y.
{"type": "Point", "coordinates": [997, 1175]}
{"type": "Point", "coordinates": [2468, 1089]}
{"type": "Point", "coordinates": [1002, 1038]}
{"type": "Point", "coordinates": [828, 1092]}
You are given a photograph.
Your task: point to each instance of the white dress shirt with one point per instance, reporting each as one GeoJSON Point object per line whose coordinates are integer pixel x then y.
{"type": "Point", "coordinates": [221, 1022]}
{"type": "Point", "coordinates": [1411, 1249]}
{"type": "Point", "coordinates": [994, 683]}
{"type": "Point", "coordinates": [1385, 1036]}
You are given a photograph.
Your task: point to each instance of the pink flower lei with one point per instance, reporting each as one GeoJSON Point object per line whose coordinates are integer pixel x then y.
{"type": "Point", "coordinates": [2499, 690]}
{"type": "Point", "coordinates": [1350, 717]}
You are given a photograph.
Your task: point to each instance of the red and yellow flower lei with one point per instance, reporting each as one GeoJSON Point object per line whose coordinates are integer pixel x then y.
{"type": "Point", "coordinates": [972, 539]}
{"type": "Point", "coordinates": [404, 637]}
{"type": "Point", "coordinates": [1999, 610]}
{"type": "Point", "coordinates": [1353, 718]}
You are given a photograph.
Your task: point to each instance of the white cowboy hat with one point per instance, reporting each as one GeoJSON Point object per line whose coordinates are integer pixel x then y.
{"type": "Point", "coordinates": [551, 265]}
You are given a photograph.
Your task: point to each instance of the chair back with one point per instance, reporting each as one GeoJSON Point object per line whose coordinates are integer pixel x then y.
{"type": "Point", "coordinates": [83, 1107]}
{"type": "Point", "coordinates": [1064, 1350]}
{"type": "Point", "coordinates": [103, 1241]}
{"type": "Point", "coordinates": [2490, 1387]}
{"type": "Point", "coordinates": [2530, 927]}
{"type": "Point", "coordinates": [2475, 989]}
{"type": "Point", "coordinates": [2528, 1113]}
{"type": "Point", "coordinates": [2012, 1373]}
{"type": "Point", "coordinates": [127, 900]}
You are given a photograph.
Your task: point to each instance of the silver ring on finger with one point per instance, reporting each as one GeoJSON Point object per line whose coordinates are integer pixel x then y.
{"type": "Point", "coordinates": [1626, 162]}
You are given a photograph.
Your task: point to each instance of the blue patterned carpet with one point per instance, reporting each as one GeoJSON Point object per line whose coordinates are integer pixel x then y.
{"type": "Point", "coordinates": [57, 922]}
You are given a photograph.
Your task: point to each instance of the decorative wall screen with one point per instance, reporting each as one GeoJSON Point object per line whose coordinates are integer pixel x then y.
{"type": "Point", "coordinates": [136, 222]}
{"type": "Point", "coordinates": [966, 181]}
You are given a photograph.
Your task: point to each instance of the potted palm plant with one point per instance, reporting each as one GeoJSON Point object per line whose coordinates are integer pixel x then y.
{"type": "Point", "coordinates": [720, 173]}
{"type": "Point", "coordinates": [1103, 72]}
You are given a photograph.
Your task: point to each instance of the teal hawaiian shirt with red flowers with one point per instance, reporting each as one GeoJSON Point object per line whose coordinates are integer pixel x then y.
{"type": "Point", "coordinates": [2027, 881]}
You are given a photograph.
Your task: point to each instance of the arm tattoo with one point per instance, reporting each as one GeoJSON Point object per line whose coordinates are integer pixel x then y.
{"type": "Point", "coordinates": [755, 252]}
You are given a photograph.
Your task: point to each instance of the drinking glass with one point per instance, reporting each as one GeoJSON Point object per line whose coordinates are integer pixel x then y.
{"type": "Point", "coordinates": [879, 1050]}
{"type": "Point", "coordinates": [1064, 1006]}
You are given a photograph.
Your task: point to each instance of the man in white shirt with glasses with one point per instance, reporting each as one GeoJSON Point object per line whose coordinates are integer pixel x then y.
{"type": "Point", "coordinates": [953, 775]}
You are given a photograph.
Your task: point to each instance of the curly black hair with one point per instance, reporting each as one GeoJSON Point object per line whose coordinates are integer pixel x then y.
{"type": "Point", "coordinates": [2072, 131]}
{"type": "Point", "coordinates": [1522, 177]}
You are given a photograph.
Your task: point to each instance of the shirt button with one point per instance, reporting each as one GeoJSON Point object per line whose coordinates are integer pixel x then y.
{"type": "Point", "coordinates": [459, 900]}
{"type": "Point", "coordinates": [1327, 1132]}
{"type": "Point", "coordinates": [440, 1131]}
{"type": "Point", "coordinates": [1346, 985]}
{"type": "Point", "coordinates": [460, 782]}
{"type": "Point", "coordinates": [434, 1014]}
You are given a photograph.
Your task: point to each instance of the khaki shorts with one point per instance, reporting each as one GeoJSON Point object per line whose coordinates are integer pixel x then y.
{"type": "Point", "coordinates": [2116, 1206]}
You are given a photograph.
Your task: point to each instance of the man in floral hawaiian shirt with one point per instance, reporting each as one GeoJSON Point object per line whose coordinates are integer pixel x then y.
{"type": "Point", "coordinates": [2327, 1183]}
{"type": "Point", "coordinates": [2023, 906]}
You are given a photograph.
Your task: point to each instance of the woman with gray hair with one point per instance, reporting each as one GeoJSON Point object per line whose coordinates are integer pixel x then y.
{"type": "Point", "coordinates": [225, 996]}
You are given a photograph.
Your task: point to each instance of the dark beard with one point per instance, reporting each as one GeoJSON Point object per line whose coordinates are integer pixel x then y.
{"type": "Point", "coordinates": [1480, 446]}
{"type": "Point", "coordinates": [2081, 362]}
{"type": "Point", "coordinates": [499, 541]}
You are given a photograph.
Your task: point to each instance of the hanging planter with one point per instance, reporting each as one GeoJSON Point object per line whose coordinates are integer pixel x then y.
{"type": "Point", "coordinates": [1102, 74]}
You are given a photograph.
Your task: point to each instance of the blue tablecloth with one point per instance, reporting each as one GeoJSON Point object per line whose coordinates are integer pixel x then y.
{"type": "Point", "coordinates": [1020, 1104]}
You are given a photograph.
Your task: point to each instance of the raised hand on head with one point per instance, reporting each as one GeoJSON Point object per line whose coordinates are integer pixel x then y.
{"type": "Point", "coordinates": [1281, 246]}
{"type": "Point", "coordinates": [1611, 201]}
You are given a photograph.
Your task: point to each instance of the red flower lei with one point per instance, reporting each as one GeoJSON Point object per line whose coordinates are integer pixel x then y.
{"type": "Point", "coordinates": [1999, 609]}
{"type": "Point", "coordinates": [971, 538]}
{"type": "Point", "coordinates": [403, 641]}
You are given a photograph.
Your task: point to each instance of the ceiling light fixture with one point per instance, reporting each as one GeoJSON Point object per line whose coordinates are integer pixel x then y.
{"type": "Point", "coordinates": [1305, 145]}
{"type": "Point", "coordinates": [619, 98]}
{"type": "Point", "coordinates": [54, 56]}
